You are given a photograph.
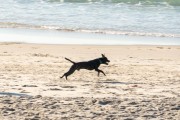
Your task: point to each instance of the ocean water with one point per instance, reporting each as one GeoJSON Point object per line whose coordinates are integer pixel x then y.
{"type": "Point", "coordinates": [156, 18]}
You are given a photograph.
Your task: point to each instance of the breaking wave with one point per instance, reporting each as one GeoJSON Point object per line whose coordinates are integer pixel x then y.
{"type": "Point", "coordinates": [143, 2]}
{"type": "Point", "coordinates": [98, 31]}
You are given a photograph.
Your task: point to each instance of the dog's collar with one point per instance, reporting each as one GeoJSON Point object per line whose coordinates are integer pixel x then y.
{"type": "Point", "coordinates": [100, 61]}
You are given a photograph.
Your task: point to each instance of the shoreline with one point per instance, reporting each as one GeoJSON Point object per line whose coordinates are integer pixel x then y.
{"type": "Point", "coordinates": [79, 38]}
{"type": "Point", "coordinates": [85, 45]}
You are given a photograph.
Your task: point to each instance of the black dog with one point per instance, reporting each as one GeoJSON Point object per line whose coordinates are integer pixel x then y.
{"type": "Point", "coordinates": [89, 65]}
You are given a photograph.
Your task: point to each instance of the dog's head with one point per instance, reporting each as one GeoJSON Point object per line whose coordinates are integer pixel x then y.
{"type": "Point", "coordinates": [104, 59]}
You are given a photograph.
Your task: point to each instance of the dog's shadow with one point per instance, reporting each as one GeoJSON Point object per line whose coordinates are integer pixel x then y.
{"type": "Point", "coordinates": [117, 82]}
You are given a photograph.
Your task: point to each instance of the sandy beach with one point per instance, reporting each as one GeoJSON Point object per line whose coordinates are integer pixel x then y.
{"type": "Point", "coordinates": [141, 83]}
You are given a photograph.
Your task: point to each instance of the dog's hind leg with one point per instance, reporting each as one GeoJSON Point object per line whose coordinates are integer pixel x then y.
{"type": "Point", "coordinates": [71, 71]}
{"type": "Point", "coordinates": [100, 71]}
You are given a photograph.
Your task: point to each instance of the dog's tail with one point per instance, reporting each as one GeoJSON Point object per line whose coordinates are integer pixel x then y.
{"type": "Point", "coordinates": [70, 60]}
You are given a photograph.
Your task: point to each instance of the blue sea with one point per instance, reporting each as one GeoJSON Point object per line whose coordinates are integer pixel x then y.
{"type": "Point", "coordinates": [147, 18]}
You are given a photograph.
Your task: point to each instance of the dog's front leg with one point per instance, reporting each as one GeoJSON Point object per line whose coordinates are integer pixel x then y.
{"type": "Point", "coordinates": [100, 71]}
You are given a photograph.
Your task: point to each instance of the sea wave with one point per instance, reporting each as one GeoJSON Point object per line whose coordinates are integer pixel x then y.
{"type": "Point", "coordinates": [142, 2]}
{"type": "Point", "coordinates": [98, 31]}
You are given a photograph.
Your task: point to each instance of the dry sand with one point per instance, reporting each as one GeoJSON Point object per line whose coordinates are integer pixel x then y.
{"type": "Point", "coordinates": [142, 82]}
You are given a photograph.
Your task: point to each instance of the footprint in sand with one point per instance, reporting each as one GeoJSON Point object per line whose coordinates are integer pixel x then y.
{"type": "Point", "coordinates": [29, 86]}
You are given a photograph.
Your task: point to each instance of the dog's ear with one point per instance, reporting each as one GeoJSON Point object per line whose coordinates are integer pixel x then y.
{"type": "Point", "coordinates": [103, 55]}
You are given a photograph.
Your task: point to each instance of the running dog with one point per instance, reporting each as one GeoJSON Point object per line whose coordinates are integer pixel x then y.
{"type": "Point", "coordinates": [89, 65]}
